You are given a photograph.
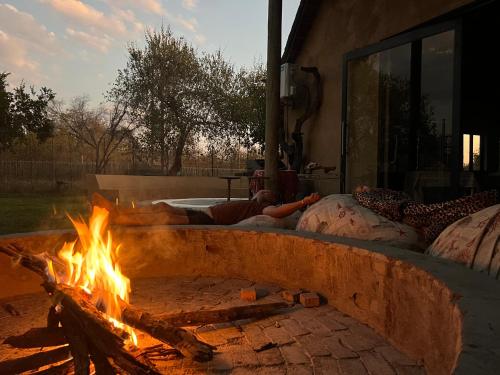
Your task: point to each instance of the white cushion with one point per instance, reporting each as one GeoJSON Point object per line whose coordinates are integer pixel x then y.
{"type": "Point", "coordinates": [472, 241]}
{"type": "Point", "coordinates": [341, 215]}
{"type": "Point", "coordinates": [266, 221]}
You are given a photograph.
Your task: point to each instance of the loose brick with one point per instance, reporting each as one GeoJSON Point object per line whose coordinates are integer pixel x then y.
{"type": "Point", "coordinates": [375, 363]}
{"type": "Point", "coordinates": [352, 367]}
{"type": "Point", "coordinates": [291, 295]}
{"type": "Point", "coordinates": [248, 294]}
{"type": "Point", "coordinates": [295, 355]}
{"type": "Point", "coordinates": [270, 357]}
{"type": "Point", "coordinates": [309, 299]}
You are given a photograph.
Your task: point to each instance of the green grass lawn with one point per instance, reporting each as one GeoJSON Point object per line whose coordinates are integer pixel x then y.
{"type": "Point", "coordinates": [31, 212]}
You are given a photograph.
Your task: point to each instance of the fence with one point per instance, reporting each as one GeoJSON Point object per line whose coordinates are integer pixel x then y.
{"type": "Point", "coordinates": [25, 176]}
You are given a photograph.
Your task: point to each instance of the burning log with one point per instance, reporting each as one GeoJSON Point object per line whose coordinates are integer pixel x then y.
{"type": "Point", "coordinates": [101, 340]}
{"type": "Point", "coordinates": [34, 361]}
{"type": "Point", "coordinates": [180, 339]}
{"type": "Point", "coordinates": [194, 318]}
{"type": "Point", "coordinates": [184, 341]}
{"type": "Point", "coordinates": [61, 369]}
{"type": "Point", "coordinates": [38, 338]}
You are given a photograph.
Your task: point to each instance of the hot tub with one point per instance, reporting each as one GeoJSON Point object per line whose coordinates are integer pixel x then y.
{"type": "Point", "coordinates": [201, 204]}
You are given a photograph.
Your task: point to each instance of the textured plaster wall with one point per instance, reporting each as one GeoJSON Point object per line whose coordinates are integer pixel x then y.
{"type": "Point", "coordinates": [340, 27]}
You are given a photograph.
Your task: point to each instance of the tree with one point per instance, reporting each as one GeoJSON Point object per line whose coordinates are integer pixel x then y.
{"type": "Point", "coordinates": [178, 96]}
{"type": "Point", "coordinates": [7, 131]}
{"type": "Point", "coordinates": [102, 129]}
{"type": "Point", "coordinates": [24, 112]}
{"type": "Point", "coordinates": [159, 83]}
{"type": "Point", "coordinates": [252, 105]}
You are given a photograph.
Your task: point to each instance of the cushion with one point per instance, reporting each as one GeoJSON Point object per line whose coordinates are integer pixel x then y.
{"type": "Point", "coordinates": [472, 241]}
{"type": "Point", "coordinates": [341, 215]}
{"type": "Point", "coordinates": [266, 221]}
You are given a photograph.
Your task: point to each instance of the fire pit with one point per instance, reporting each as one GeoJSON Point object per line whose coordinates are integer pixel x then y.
{"type": "Point", "coordinates": [381, 302]}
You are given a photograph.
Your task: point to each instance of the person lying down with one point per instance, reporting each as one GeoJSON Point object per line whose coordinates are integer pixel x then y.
{"type": "Point", "coordinates": [429, 219]}
{"type": "Point", "coordinates": [228, 213]}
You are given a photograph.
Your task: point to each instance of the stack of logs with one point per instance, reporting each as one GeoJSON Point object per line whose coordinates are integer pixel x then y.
{"type": "Point", "coordinates": [79, 328]}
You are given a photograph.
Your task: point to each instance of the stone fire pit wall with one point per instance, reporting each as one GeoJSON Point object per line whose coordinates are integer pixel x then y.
{"type": "Point", "coordinates": [438, 312]}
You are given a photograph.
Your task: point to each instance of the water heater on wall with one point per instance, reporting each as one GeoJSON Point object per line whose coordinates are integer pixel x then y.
{"type": "Point", "coordinates": [288, 86]}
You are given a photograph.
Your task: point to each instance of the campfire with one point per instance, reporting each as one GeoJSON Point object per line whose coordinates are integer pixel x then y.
{"type": "Point", "coordinates": [91, 322]}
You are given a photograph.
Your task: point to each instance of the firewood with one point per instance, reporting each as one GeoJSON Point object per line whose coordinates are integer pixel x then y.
{"type": "Point", "coordinates": [38, 338]}
{"type": "Point", "coordinates": [34, 361]}
{"type": "Point", "coordinates": [200, 317]}
{"type": "Point", "coordinates": [79, 314]}
{"type": "Point", "coordinates": [65, 368]}
{"type": "Point", "coordinates": [182, 340]}
{"type": "Point", "coordinates": [99, 332]}
{"type": "Point", "coordinates": [52, 318]}
{"type": "Point", "coordinates": [77, 343]}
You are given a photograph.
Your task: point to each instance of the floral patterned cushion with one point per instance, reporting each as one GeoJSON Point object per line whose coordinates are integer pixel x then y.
{"type": "Point", "coordinates": [472, 241]}
{"type": "Point", "coordinates": [266, 221]}
{"type": "Point", "coordinates": [341, 215]}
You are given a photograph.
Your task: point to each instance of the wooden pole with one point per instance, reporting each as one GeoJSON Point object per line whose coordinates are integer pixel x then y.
{"type": "Point", "coordinates": [273, 93]}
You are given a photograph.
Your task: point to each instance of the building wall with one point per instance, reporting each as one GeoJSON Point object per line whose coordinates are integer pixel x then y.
{"type": "Point", "coordinates": [340, 27]}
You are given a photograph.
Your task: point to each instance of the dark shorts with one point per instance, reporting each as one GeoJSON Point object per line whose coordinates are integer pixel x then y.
{"type": "Point", "coordinates": [196, 217]}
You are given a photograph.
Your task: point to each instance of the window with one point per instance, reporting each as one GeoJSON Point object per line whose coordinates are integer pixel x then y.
{"type": "Point", "coordinates": [419, 110]}
{"type": "Point", "coordinates": [399, 117]}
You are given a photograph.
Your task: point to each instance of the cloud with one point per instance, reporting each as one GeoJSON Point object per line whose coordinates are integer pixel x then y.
{"type": "Point", "coordinates": [14, 59]}
{"type": "Point", "coordinates": [200, 38]}
{"type": "Point", "coordinates": [149, 6]}
{"type": "Point", "coordinates": [101, 44]}
{"type": "Point", "coordinates": [89, 16]}
{"type": "Point", "coordinates": [188, 24]}
{"type": "Point", "coordinates": [190, 4]}
{"type": "Point", "coordinates": [23, 42]}
{"type": "Point", "coordinates": [23, 26]}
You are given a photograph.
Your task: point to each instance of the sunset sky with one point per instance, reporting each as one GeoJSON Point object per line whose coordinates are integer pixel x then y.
{"type": "Point", "coordinates": [76, 47]}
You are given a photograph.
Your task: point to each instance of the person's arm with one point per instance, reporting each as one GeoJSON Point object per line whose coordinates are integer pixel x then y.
{"type": "Point", "coordinates": [289, 208]}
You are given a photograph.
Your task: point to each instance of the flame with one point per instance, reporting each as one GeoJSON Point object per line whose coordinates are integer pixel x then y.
{"type": "Point", "coordinates": [90, 263]}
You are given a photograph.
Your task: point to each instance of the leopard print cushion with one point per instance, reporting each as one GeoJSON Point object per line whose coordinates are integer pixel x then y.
{"type": "Point", "coordinates": [430, 219]}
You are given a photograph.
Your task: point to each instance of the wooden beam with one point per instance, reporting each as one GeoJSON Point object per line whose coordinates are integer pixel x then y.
{"type": "Point", "coordinates": [201, 317]}
{"type": "Point", "coordinates": [273, 110]}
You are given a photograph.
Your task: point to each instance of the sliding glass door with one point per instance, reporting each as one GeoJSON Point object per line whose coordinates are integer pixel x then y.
{"type": "Point", "coordinates": [398, 115]}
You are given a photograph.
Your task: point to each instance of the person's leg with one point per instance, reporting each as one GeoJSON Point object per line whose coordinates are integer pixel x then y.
{"type": "Point", "coordinates": [148, 218]}
{"type": "Point", "coordinates": [158, 214]}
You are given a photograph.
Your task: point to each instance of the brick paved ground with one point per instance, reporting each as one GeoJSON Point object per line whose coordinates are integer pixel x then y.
{"type": "Point", "coordinates": [304, 341]}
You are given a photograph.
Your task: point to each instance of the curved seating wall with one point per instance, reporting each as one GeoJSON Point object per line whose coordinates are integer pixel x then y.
{"type": "Point", "coordinates": [433, 310]}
